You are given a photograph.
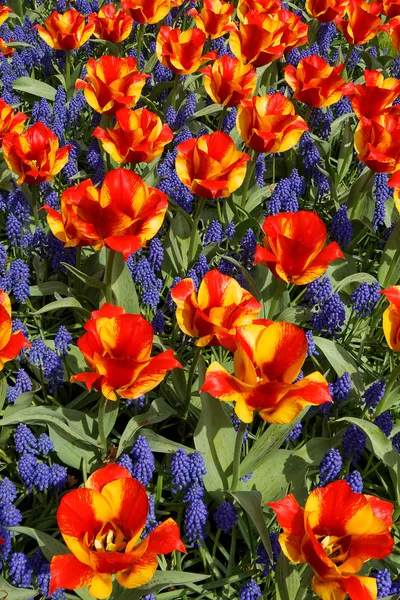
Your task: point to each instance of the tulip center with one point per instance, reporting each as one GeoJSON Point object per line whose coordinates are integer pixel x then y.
{"type": "Point", "coordinates": [335, 548]}
{"type": "Point", "coordinates": [109, 539]}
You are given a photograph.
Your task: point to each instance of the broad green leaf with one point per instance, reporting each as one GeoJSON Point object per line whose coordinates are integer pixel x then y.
{"type": "Point", "coordinates": [34, 87]}
{"type": "Point", "coordinates": [158, 443]}
{"type": "Point", "coordinates": [75, 361]}
{"type": "Point", "coordinates": [383, 449]}
{"type": "Point", "coordinates": [360, 202]}
{"type": "Point", "coordinates": [72, 451]}
{"type": "Point", "coordinates": [214, 438]}
{"type": "Point", "coordinates": [389, 268]}
{"type": "Point", "coordinates": [47, 543]}
{"type": "Point", "coordinates": [123, 286]}
{"type": "Point", "coordinates": [178, 242]}
{"type": "Point", "coordinates": [340, 360]}
{"type": "Point", "coordinates": [295, 314]}
{"type": "Point", "coordinates": [109, 410]}
{"type": "Point", "coordinates": [158, 411]}
{"type": "Point", "coordinates": [345, 153]}
{"type": "Point", "coordinates": [267, 443]}
{"type": "Point", "coordinates": [90, 281]}
{"type": "Point", "coordinates": [287, 579]}
{"type": "Point", "coordinates": [48, 289]}
{"type": "Point", "coordinates": [61, 304]}
{"type": "Point", "coordinates": [160, 580]}
{"type": "Point", "coordinates": [8, 592]}
{"type": "Point", "coordinates": [251, 503]}
{"type": "Point", "coordinates": [356, 278]}
{"type": "Point", "coordinates": [207, 110]}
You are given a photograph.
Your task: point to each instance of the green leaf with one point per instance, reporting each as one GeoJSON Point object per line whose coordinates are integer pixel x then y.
{"type": "Point", "coordinates": [345, 153]}
{"type": "Point", "coordinates": [158, 443]}
{"type": "Point", "coordinates": [360, 202]}
{"type": "Point", "coordinates": [382, 448]}
{"type": "Point", "coordinates": [214, 438]}
{"type": "Point", "coordinates": [356, 278]}
{"type": "Point", "coordinates": [61, 304]}
{"type": "Point", "coordinates": [48, 289]}
{"type": "Point", "coordinates": [177, 246]}
{"type": "Point", "coordinates": [287, 579]}
{"type": "Point", "coordinates": [75, 361]}
{"type": "Point", "coordinates": [340, 360]}
{"type": "Point", "coordinates": [271, 440]}
{"type": "Point", "coordinates": [389, 268]}
{"type": "Point", "coordinates": [159, 411]}
{"type": "Point", "coordinates": [90, 281]}
{"type": "Point", "coordinates": [295, 314]}
{"type": "Point", "coordinates": [34, 87]}
{"type": "Point", "coordinates": [208, 110]}
{"type": "Point", "coordinates": [71, 451]}
{"type": "Point", "coordinates": [8, 592]}
{"type": "Point", "coordinates": [123, 286]}
{"type": "Point", "coordinates": [47, 543]}
{"type": "Point", "coordinates": [160, 580]}
{"type": "Point", "coordinates": [251, 503]}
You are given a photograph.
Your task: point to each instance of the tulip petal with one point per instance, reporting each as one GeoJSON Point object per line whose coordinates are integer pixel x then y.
{"type": "Point", "coordinates": [329, 589]}
{"type": "Point", "coordinates": [130, 505]}
{"type": "Point", "coordinates": [152, 374]}
{"type": "Point", "coordinates": [362, 588]}
{"type": "Point", "coordinates": [141, 572]}
{"type": "Point", "coordinates": [165, 538]}
{"type": "Point", "coordinates": [381, 509]}
{"type": "Point", "coordinates": [66, 571]}
{"type": "Point", "coordinates": [101, 477]}
{"type": "Point", "coordinates": [220, 384]}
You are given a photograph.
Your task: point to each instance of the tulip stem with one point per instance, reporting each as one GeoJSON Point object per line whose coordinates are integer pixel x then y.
{"type": "Point", "coordinates": [140, 36]}
{"type": "Point", "coordinates": [67, 72]}
{"type": "Point", "coordinates": [236, 455]}
{"type": "Point", "coordinates": [20, 10]}
{"type": "Point", "coordinates": [196, 219]}
{"type": "Point", "coordinates": [249, 174]}
{"type": "Point", "coordinates": [190, 381]}
{"type": "Point", "coordinates": [221, 118]}
{"type": "Point", "coordinates": [100, 419]}
{"type": "Point", "coordinates": [108, 275]}
{"type": "Point", "coordinates": [34, 204]}
{"type": "Point", "coordinates": [174, 90]}
{"type": "Point", "coordinates": [346, 60]}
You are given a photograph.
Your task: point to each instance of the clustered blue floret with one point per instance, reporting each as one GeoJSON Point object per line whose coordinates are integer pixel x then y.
{"type": "Point", "coordinates": [330, 467]}
{"type": "Point", "coordinates": [225, 517]}
{"type": "Point", "coordinates": [364, 298]}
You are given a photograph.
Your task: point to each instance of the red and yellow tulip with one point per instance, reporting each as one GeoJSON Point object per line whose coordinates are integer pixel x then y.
{"type": "Point", "coordinates": [34, 154]}
{"type": "Point", "coordinates": [315, 82]}
{"type": "Point", "coordinates": [112, 83]}
{"type": "Point", "coordinates": [10, 121]}
{"type": "Point", "coordinates": [182, 51]}
{"type": "Point", "coordinates": [268, 7]}
{"type": "Point", "coordinates": [228, 81]}
{"type": "Point", "coordinates": [211, 166]}
{"type": "Point", "coordinates": [65, 31]}
{"type": "Point", "coordinates": [268, 359]}
{"type": "Point", "coordinates": [101, 524]}
{"type": "Point", "coordinates": [336, 533]}
{"type": "Point", "coordinates": [215, 312]}
{"type": "Point", "coordinates": [214, 18]}
{"type": "Point", "coordinates": [147, 12]}
{"type": "Point", "coordinates": [111, 24]}
{"type": "Point", "coordinates": [394, 182]}
{"type": "Point", "coordinates": [117, 348]}
{"type": "Point", "coordinates": [391, 318]}
{"type": "Point", "coordinates": [377, 142]}
{"type": "Point", "coordinates": [5, 49]}
{"type": "Point", "coordinates": [122, 215]}
{"type": "Point", "coordinates": [11, 343]}
{"type": "Point", "coordinates": [375, 97]}
{"type": "Point", "coordinates": [294, 247]}
{"type": "Point", "coordinates": [391, 8]}
{"type": "Point", "coordinates": [4, 13]}
{"type": "Point", "coordinates": [326, 10]}
{"type": "Point", "coordinates": [362, 22]}
{"type": "Point", "coordinates": [269, 123]}
{"type": "Point", "coordinates": [138, 136]}
{"type": "Point", "coordinates": [393, 29]}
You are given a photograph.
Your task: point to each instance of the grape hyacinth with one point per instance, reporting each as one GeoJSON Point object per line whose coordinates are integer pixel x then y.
{"type": "Point", "coordinates": [143, 460]}
{"type": "Point", "coordinates": [340, 389]}
{"type": "Point", "coordinates": [342, 228]}
{"type": "Point", "coordinates": [330, 467]}
{"type": "Point", "coordinates": [225, 517]}
{"type": "Point", "coordinates": [374, 394]}
{"type": "Point", "coordinates": [385, 422]}
{"type": "Point", "coordinates": [250, 591]}
{"type": "Point", "coordinates": [364, 298]}
{"type": "Point", "coordinates": [354, 441]}
{"type": "Point", "coordinates": [355, 481]}
{"type": "Point", "coordinates": [383, 582]}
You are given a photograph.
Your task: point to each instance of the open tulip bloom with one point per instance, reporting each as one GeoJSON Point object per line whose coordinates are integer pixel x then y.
{"type": "Point", "coordinates": [11, 342]}
{"type": "Point", "coordinates": [391, 318]}
{"type": "Point", "coordinates": [65, 31]}
{"type": "Point", "coordinates": [336, 533]}
{"type": "Point", "coordinates": [102, 524]}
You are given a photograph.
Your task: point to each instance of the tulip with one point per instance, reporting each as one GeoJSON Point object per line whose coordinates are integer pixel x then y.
{"type": "Point", "coordinates": [377, 142]}
{"type": "Point", "coordinates": [111, 24]}
{"type": "Point", "coordinates": [391, 318]}
{"type": "Point", "coordinates": [391, 8]}
{"type": "Point", "coordinates": [326, 11]}
{"type": "Point", "coordinates": [182, 51]}
{"type": "Point", "coordinates": [269, 123]}
{"type": "Point", "coordinates": [147, 12]}
{"type": "Point", "coordinates": [6, 50]}
{"type": "Point", "coordinates": [138, 136]}
{"type": "Point", "coordinates": [315, 82]}
{"type": "Point", "coordinates": [117, 351]}
{"type": "Point", "coordinates": [336, 533]}
{"type": "Point", "coordinates": [268, 7]}
{"type": "Point", "coordinates": [4, 13]}
{"type": "Point", "coordinates": [262, 38]}
{"type": "Point", "coordinates": [210, 166]}
{"type": "Point", "coordinates": [102, 524]}
{"type": "Point", "coordinates": [214, 19]}
{"type": "Point", "coordinates": [65, 31]}
{"type": "Point", "coordinates": [11, 343]}
{"type": "Point", "coordinates": [228, 81]}
{"type": "Point", "coordinates": [122, 215]}
{"type": "Point", "coordinates": [375, 97]}
{"type": "Point", "coordinates": [214, 313]}
{"type": "Point", "coordinates": [268, 359]}
{"type": "Point", "coordinates": [294, 247]}
{"type": "Point", "coordinates": [112, 83]}
{"type": "Point", "coordinates": [394, 182]}
{"type": "Point", "coordinates": [362, 23]}
{"type": "Point", "coordinates": [10, 122]}
{"type": "Point", "coordinates": [34, 154]}
{"type": "Point", "coordinates": [393, 29]}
